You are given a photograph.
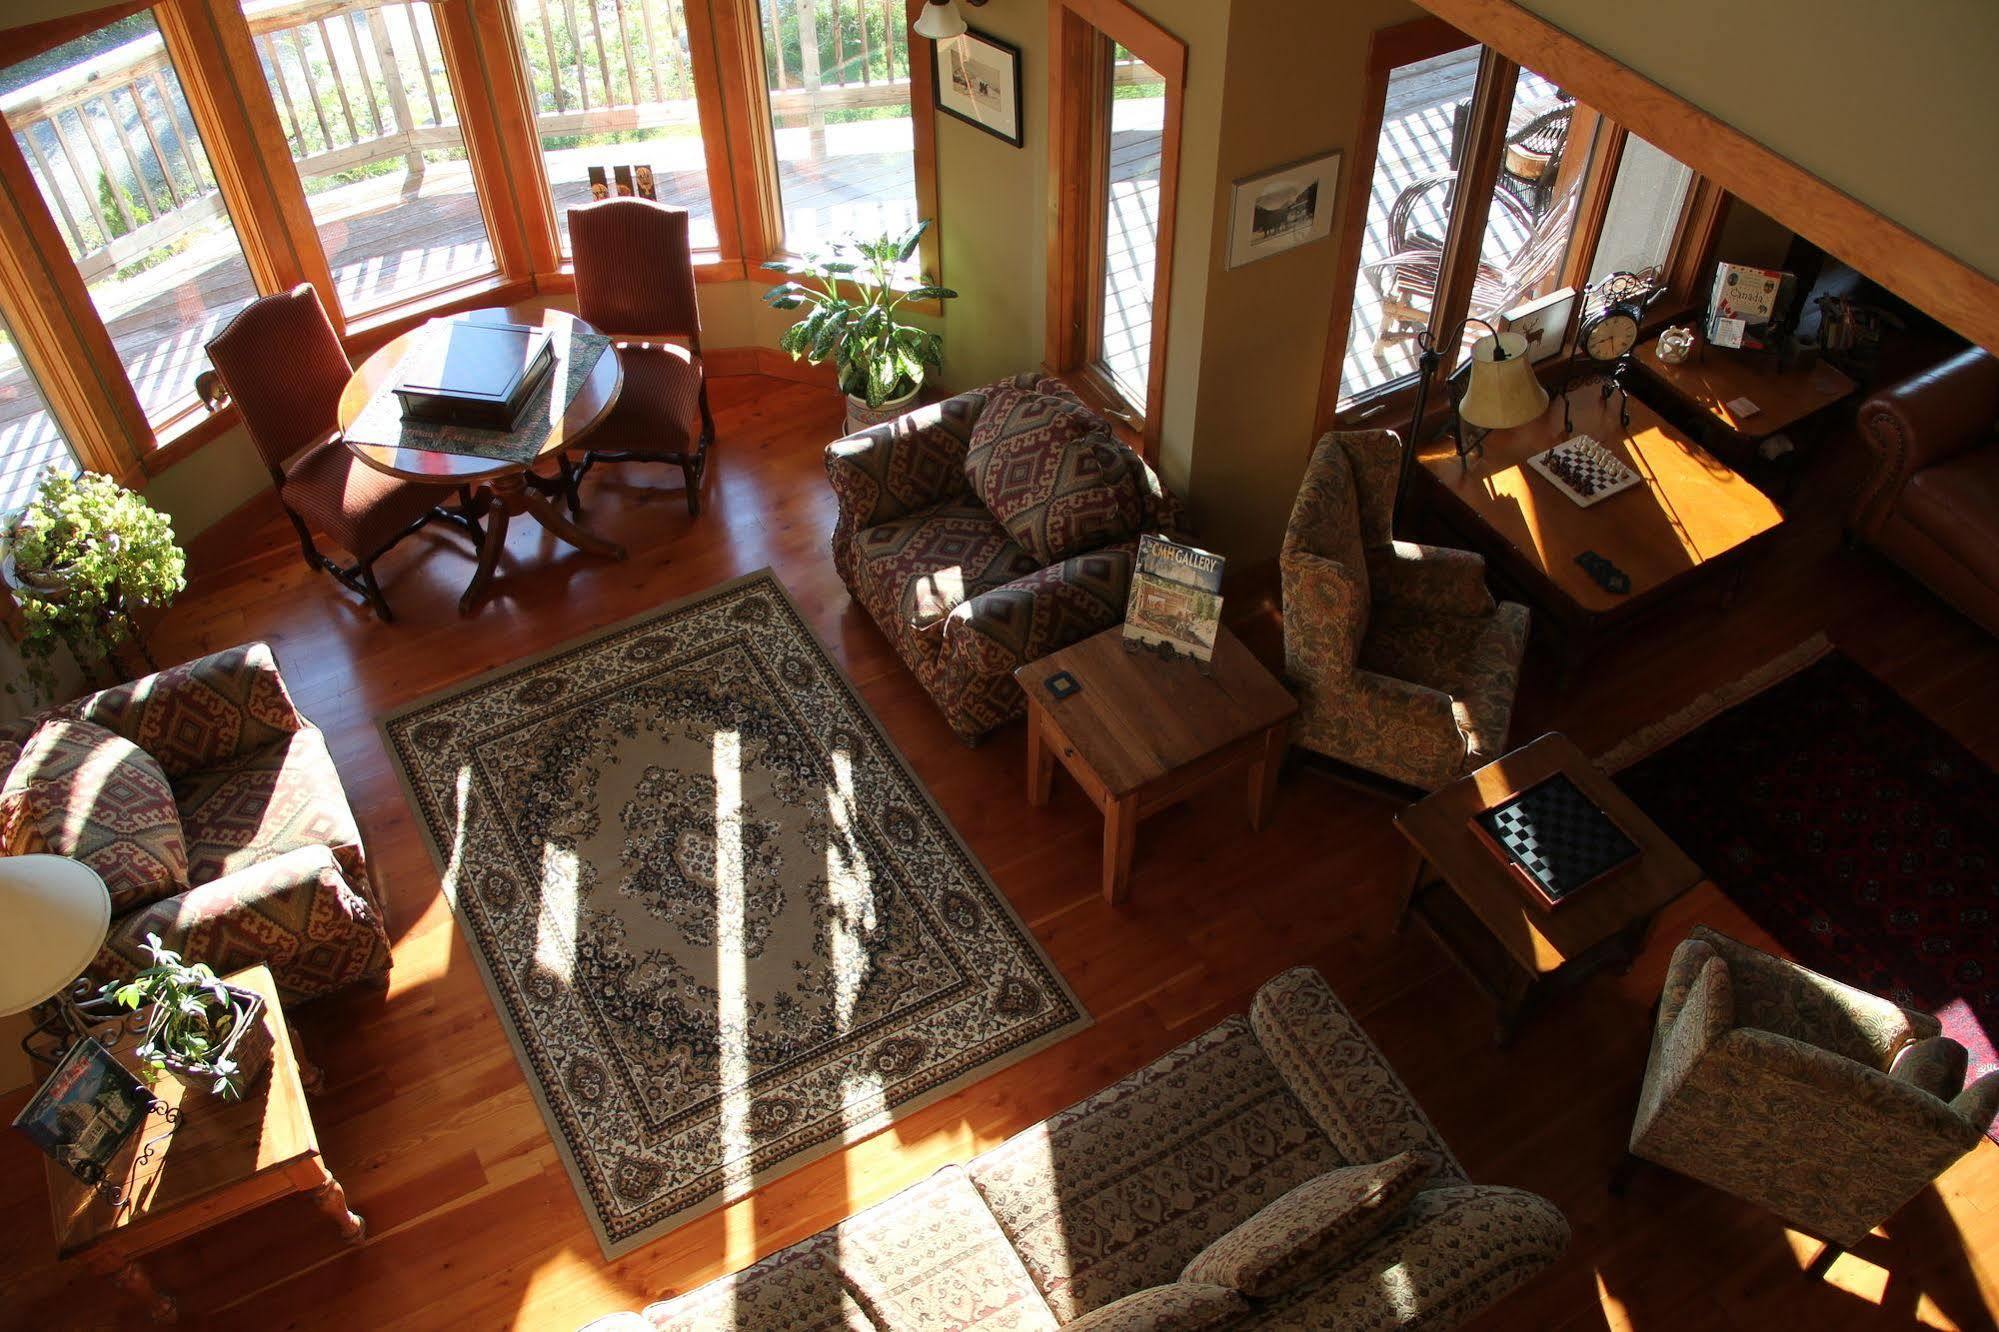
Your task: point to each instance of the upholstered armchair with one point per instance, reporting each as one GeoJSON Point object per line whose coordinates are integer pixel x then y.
{"type": "Point", "coordinates": [980, 540]}
{"type": "Point", "coordinates": [1820, 1102]}
{"type": "Point", "coordinates": [1404, 664]}
{"type": "Point", "coordinates": [212, 810]}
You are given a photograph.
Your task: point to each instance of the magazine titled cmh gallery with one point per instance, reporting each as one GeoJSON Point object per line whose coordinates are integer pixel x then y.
{"type": "Point", "coordinates": [1176, 599]}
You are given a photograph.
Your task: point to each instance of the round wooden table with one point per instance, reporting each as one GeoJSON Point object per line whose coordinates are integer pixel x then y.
{"type": "Point", "coordinates": [509, 488]}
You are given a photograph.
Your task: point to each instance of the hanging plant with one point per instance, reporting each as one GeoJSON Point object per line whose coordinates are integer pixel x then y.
{"type": "Point", "coordinates": [81, 557]}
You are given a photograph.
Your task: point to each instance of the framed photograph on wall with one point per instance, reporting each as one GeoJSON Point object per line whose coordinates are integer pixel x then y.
{"type": "Point", "coordinates": [1283, 208]}
{"type": "Point", "coordinates": [977, 79]}
{"type": "Point", "coordinates": [1544, 322]}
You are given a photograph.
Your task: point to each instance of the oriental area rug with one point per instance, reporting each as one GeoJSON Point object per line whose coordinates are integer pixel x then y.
{"type": "Point", "coordinates": [724, 925]}
{"type": "Point", "coordinates": [1854, 829]}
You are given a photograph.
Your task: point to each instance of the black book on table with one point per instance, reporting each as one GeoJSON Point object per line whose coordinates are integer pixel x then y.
{"type": "Point", "coordinates": [477, 375]}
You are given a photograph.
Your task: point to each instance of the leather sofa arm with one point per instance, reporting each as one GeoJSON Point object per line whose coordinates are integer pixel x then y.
{"type": "Point", "coordinates": [237, 695]}
{"type": "Point", "coordinates": [1342, 1079]}
{"type": "Point", "coordinates": [1922, 421]}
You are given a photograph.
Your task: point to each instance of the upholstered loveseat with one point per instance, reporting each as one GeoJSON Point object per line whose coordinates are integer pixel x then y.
{"type": "Point", "coordinates": [1139, 1207]}
{"type": "Point", "coordinates": [988, 530]}
{"type": "Point", "coordinates": [212, 810]}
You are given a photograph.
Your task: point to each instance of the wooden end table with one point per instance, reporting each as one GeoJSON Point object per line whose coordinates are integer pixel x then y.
{"type": "Point", "coordinates": [1518, 950]}
{"type": "Point", "coordinates": [1691, 518]}
{"type": "Point", "coordinates": [1713, 377]}
{"type": "Point", "coordinates": [1144, 733]}
{"type": "Point", "coordinates": [222, 1159]}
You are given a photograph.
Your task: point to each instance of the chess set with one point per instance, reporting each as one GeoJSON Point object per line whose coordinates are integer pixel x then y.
{"type": "Point", "coordinates": [1555, 840]}
{"type": "Point", "coordinates": [1584, 470]}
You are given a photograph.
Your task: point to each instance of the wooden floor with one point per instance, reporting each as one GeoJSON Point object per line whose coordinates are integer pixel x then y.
{"type": "Point", "coordinates": [472, 1220]}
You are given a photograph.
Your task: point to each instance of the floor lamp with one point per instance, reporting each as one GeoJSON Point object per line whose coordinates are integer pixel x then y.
{"type": "Point", "coordinates": [58, 912]}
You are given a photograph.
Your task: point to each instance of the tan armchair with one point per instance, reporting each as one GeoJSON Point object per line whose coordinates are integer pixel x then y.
{"type": "Point", "coordinates": [1824, 1104]}
{"type": "Point", "coordinates": [1403, 663]}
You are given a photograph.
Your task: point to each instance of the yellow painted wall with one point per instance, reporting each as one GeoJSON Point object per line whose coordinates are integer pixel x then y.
{"type": "Point", "coordinates": [1895, 103]}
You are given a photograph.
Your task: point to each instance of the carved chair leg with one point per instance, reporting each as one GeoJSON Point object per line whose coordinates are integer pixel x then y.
{"type": "Point", "coordinates": [692, 475]}
{"type": "Point", "coordinates": [374, 593]}
{"type": "Point", "coordinates": [313, 559]}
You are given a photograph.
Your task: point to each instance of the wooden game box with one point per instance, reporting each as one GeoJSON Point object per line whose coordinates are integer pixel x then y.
{"type": "Point", "coordinates": [1586, 845]}
{"type": "Point", "coordinates": [477, 375]}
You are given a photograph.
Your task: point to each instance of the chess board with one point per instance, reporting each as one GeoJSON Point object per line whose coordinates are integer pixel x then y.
{"type": "Point", "coordinates": [1584, 470]}
{"type": "Point", "coordinates": [1555, 839]}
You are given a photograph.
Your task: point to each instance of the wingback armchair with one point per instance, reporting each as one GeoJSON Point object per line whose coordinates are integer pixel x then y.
{"type": "Point", "coordinates": [1404, 664]}
{"type": "Point", "coordinates": [987, 531]}
{"type": "Point", "coordinates": [1820, 1102]}
{"type": "Point", "coordinates": [211, 808]}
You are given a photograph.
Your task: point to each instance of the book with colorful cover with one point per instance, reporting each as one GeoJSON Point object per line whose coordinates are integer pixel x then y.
{"type": "Point", "coordinates": [1176, 598]}
{"type": "Point", "coordinates": [85, 1111]}
{"type": "Point", "coordinates": [1747, 305]}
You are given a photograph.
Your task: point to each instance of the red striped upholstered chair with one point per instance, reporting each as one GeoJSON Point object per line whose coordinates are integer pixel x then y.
{"type": "Point", "coordinates": [635, 282]}
{"type": "Point", "coordinates": [281, 362]}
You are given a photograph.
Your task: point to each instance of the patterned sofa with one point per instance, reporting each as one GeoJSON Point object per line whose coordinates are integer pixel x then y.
{"type": "Point", "coordinates": [988, 530]}
{"type": "Point", "coordinates": [1161, 1200]}
{"type": "Point", "coordinates": [212, 810]}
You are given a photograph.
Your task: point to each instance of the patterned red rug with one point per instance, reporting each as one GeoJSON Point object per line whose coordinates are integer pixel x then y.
{"type": "Point", "coordinates": [1859, 833]}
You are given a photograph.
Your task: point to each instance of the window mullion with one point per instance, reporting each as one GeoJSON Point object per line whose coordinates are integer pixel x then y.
{"type": "Point", "coordinates": [747, 133]}
{"type": "Point", "coordinates": [486, 82]}
{"type": "Point", "coordinates": [1477, 175]}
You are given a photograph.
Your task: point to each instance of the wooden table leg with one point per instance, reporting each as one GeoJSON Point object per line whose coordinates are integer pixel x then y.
{"type": "Point", "coordinates": [1120, 837]}
{"type": "Point", "coordinates": [513, 495]}
{"type": "Point", "coordinates": [132, 1277]}
{"type": "Point", "coordinates": [313, 1177]}
{"type": "Point", "coordinates": [1263, 770]}
{"type": "Point", "coordinates": [1410, 892]}
{"type": "Point", "coordinates": [1040, 758]}
{"type": "Point", "coordinates": [489, 558]}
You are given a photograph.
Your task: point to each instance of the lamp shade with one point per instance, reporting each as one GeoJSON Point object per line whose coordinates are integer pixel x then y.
{"type": "Point", "coordinates": [54, 914]}
{"type": "Point", "coordinates": [940, 19]}
{"type": "Point", "coordinates": [1503, 391]}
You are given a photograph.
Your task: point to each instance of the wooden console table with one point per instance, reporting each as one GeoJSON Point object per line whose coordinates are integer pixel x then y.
{"type": "Point", "coordinates": [1713, 377]}
{"type": "Point", "coordinates": [1691, 517]}
{"type": "Point", "coordinates": [222, 1159]}
{"type": "Point", "coordinates": [1145, 733]}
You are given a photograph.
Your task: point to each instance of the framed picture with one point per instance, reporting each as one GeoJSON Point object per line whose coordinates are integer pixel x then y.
{"type": "Point", "coordinates": [1282, 208]}
{"type": "Point", "coordinates": [977, 79]}
{"type": "Point", "coordinates": [1544, 322]}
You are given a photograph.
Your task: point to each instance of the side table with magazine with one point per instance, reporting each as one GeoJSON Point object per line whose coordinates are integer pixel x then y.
{"type": "Point", "coordinates": [1535, 871]}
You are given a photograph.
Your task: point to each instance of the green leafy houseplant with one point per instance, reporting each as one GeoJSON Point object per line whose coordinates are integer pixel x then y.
{"type": "Point", "coordinates": [853, 321]}
{"type": "Point", "coordinates": [197, 1024]}
{"type": "Point", "coordinates": [81, 557]}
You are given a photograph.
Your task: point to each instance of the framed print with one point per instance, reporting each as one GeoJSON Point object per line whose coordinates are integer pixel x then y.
{"type": "Point", "coordinates": [977, 79]}
{"type": "Point", "coordinates": [1544, 322]}
{"type": "Point", "coordinates": [1282, 208]}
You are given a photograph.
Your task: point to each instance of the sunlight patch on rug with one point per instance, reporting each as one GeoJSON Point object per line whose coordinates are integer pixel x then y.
{"type": "Point", "coordinates": [725, 927]}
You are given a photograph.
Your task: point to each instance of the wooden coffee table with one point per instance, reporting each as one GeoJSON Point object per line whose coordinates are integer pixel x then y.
{"type": "Point", "coordinates": [1519, 950]}
{"type": "Point", "coordinates": [223, 1158]}
{"type": "Point", "coordinates": [1692, 518]}
{"type": "Point", "coordinates": [1145, 733]}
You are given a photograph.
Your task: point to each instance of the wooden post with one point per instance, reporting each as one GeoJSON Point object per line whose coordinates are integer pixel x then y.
{"type": "Point", "coordinates": [399, 101]}
{"type": "Point", "coordinates": [808, 65]}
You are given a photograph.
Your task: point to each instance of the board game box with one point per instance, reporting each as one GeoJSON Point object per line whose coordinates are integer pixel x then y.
{"type": "Point", "coordinates": [1554, 839]}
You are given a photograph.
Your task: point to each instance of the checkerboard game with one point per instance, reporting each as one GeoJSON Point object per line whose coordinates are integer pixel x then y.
{"type": "Point", "coordinates": [1556, 837]}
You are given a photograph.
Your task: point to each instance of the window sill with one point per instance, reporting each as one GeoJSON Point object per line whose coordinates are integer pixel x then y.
{"type": "Point", "coordinates": [186, 436]}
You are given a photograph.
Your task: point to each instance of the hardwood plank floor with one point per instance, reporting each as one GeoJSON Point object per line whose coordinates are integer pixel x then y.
{"type": "Point", "coordinates": [472, 1221]}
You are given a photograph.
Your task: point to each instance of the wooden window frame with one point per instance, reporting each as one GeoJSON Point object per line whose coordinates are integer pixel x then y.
{"type": "Point", "coordinates": [1689, 253]}
{"type": "Point", "coordinates": [1081, 34]}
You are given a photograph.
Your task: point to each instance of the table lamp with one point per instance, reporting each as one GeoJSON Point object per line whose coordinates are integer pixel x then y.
{"type": "Point", "coordinates": [57, 912]}
{"type": "Point", "coordinates": [1502, 391]}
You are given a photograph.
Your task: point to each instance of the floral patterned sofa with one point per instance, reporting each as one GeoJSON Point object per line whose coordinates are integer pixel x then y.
{"type": "Point", "coordinates": [212, 810]}
{"type": "Point", "coordinates": [1271, 1173]}
{"type": "Point", "coordinates": [988, 530]}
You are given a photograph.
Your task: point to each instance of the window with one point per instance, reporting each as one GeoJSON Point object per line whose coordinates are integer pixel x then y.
{"type": "Point", "coordinates": [614, 91]}
{"type": "Point", "coordinates": [112, 147]}
{"type": "Point", "coordinates": [1135, 129]}
{"type": "Point", "coordinates": [1574, 196]}
{"type": "Point", "coordinates": [371, 123]}
{"type": "Point", "coordinates": [30, 441]}
{"type": "Point", "coordinates": [838, 75]}
{"type": "Point", "coordinates": [1114, 104]}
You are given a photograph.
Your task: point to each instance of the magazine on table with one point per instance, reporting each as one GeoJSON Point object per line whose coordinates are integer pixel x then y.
{"type": "Point", "coordinates": [1176, 599]}
{"type": "Point", "coordinates": [85, 1111]}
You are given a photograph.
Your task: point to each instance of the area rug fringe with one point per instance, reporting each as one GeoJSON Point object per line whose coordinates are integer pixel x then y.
{"type": "Point", "coordinates": [1651, 739]}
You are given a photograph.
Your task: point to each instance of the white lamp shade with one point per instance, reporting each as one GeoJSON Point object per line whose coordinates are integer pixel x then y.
{"type": "Point", "coordinates": [940, 19]}
{"type": "Point", "coordinates": [1503, 391]}
{"type": "Point", "coordinates": [54, 914]}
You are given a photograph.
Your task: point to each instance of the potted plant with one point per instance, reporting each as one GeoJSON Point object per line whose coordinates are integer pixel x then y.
{"type": "Point", "coordinates": [881, 361]}
{"type": "Point", "coordinates": [81, 557]}
{"type": "Point", "coordinates": [198, 1027]}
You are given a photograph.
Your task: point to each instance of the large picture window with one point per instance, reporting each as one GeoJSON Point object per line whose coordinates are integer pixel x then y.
{"type": "Point", "coordinates": [371, 121]}
{"type": "Point", "coordinates": [30, 440]}
{"type": "Point", "coordinates": [111, 144]}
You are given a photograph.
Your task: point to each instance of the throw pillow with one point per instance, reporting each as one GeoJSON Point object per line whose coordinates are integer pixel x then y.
{"type": "Point", "coordinates": [81, 791]}
{"type": "Point", "coordinates": [1184, 1306]}
{"type": "Point", "coordinates": [1312, 1229]}
{"type": "Point", "coordinates": [1053, 476]}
